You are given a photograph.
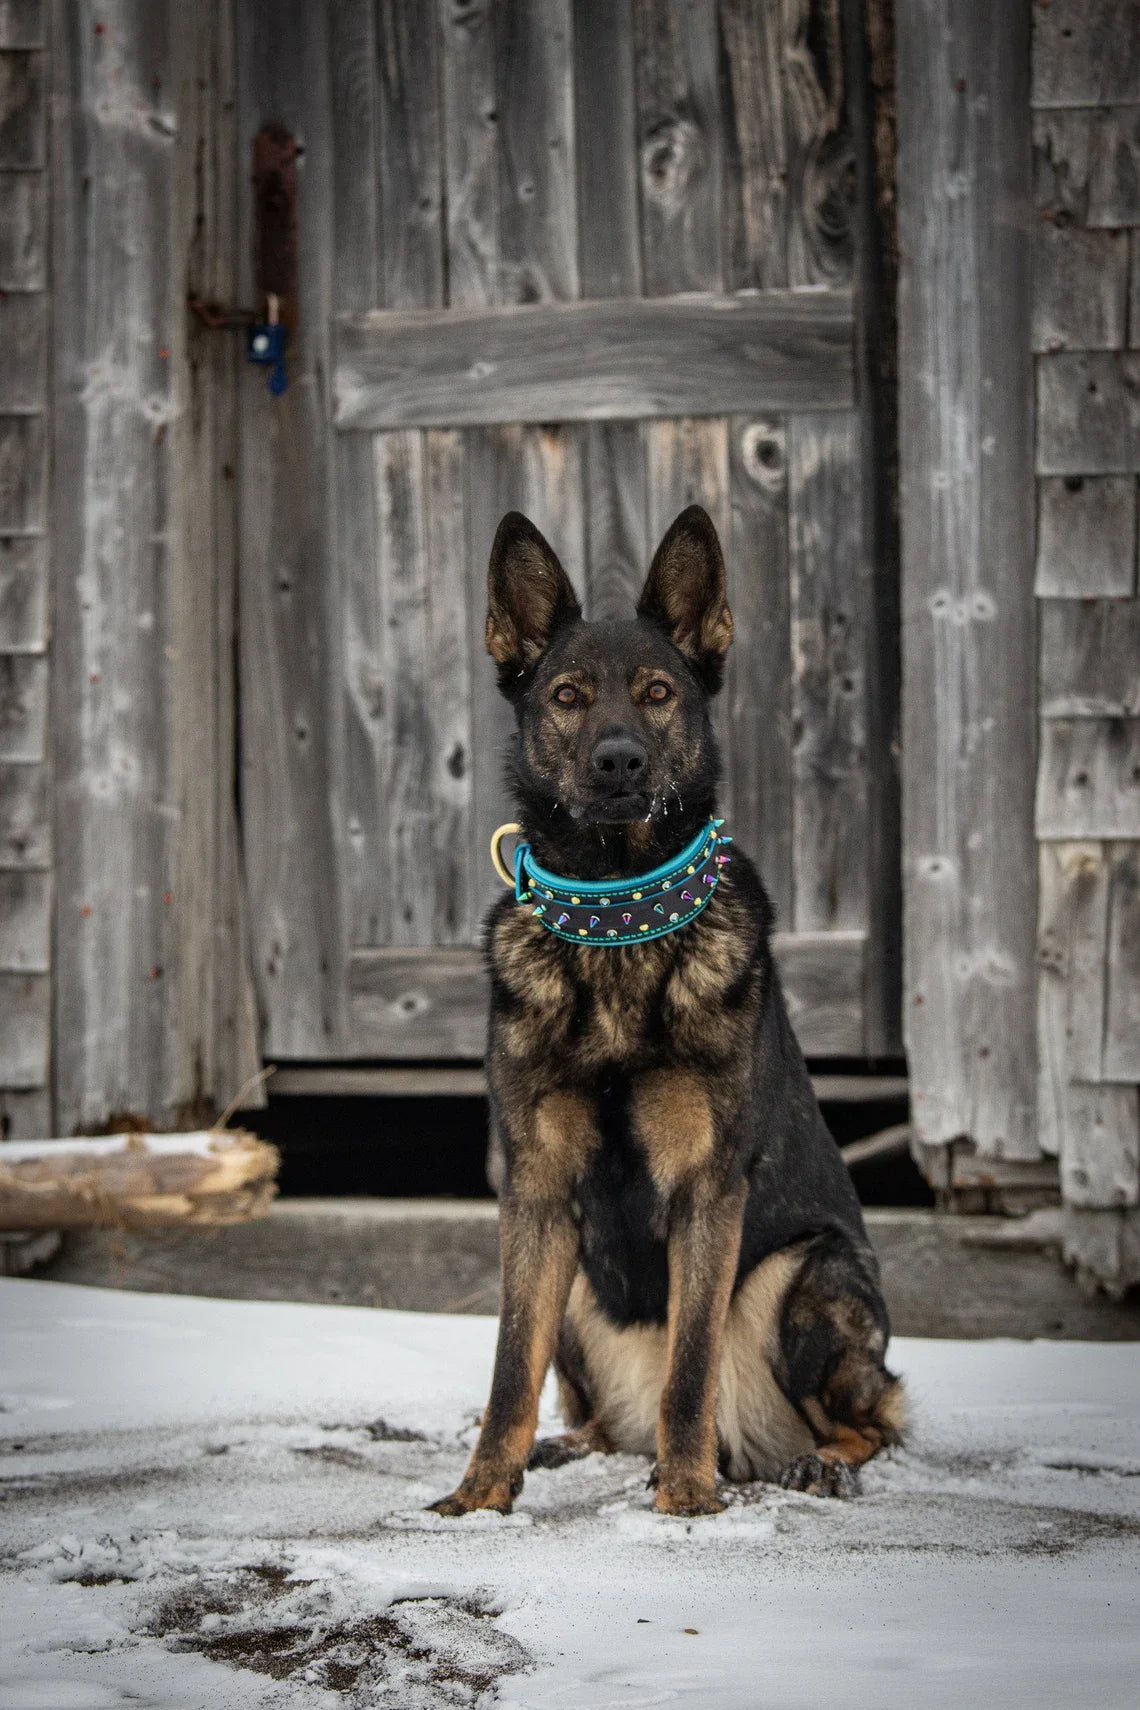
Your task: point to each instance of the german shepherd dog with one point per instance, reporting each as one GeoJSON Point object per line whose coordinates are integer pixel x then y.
{"type": "Point", "coordinates": [678, 1230]}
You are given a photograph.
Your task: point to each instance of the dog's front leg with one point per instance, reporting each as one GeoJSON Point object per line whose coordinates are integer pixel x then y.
{"type": "Point", "coordinates": [704, 1245]}
{"type": "Point", "coordinates": [538, 1243]}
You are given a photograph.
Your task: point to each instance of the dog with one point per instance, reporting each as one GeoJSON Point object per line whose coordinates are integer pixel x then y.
{"type": "Point", "coordinates": [678, 1230]}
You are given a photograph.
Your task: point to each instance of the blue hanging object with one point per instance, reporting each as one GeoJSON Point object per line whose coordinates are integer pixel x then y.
{"type": "Point", "coordinates": [267, 341]}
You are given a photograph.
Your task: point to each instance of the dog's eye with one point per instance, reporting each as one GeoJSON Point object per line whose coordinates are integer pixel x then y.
{"type": "Point", "coordinates": [659, 692]}
{"type": "Point", "coordinates": [566, 694]}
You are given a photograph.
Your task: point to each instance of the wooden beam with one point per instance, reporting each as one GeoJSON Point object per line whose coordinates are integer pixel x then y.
{"type": "Point", "coordinates": [450, 1080]}
{"type": "Point", "coordinates": [966, 441]}
{"type": "Point", "coordinates": [127, 1180]}
{"type": "Point", "coordinates": [433, 1003]}
{"type": "Point", "coordinates": [594, 361]}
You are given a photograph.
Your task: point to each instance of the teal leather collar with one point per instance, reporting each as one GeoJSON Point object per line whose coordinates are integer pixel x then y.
{"type": "Point", "coordinates": [608, 913]}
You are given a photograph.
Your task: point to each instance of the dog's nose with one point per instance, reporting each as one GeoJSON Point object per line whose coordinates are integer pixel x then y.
{"type": "Point", "coordinates": [619, 760]}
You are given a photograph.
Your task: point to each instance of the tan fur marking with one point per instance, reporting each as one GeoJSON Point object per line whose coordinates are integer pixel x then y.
{"type": "Point", "coordinates": [758, 1429]}
{"type": "Point", "coordinates": [673, 1120]}
{"type": "Point", "coordinates": [565, 1134]}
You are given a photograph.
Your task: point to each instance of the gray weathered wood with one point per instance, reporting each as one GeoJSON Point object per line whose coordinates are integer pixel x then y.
{"type": "Point", "coordinates": [1088, 413]}
{"type": "Point", "coordinates": [26, 1115]}
{"type": "Point", "coordinates": [1080, 277]}
{"type": "Point", "coordinates": [1114, 175]}
{"type": "Point", "coordinates": [152, 999]}
{"type": "Point", "coordinates": [820, 162]}
{"type": "Point", "coordinates": [25, 815]}
{"type": "Point", "coordinates": [1122, 1003]}
{"type": "Point", "coordinates": [1134, 288]}
{"type": "Point", "coordinates": [23, 707]}
{"type": "Point", "coordinates": [353, 65]}
{"type": "Point", "coordinates": [25, 1030]}
{"type": "Point", "coordinates": [680, 144]}
{"type": "Point", "coordinates": [594, 361]}
{"type": "Point", "coordinates": [470, 127]}
{"type": "Point", "coordinates": [618, 547]}
{"type": "Point", "coordinates": [756, 146]}
{"type": "Point", "coordinates": [23, 231]}
{"type": "Point", "coordinates": [1085, 52]}
{"type": "Point", "coordinates": [22, 129]}
{"type": "Point", "coordinates": [1089, 658]}
{"type": "Point", "coordinates": [1104, 1247]}
{"type": "Point", "coordinates": [538, 233]}
{"type": "Point", "coordinates": [23, 594]}
{"type": "Point", "coordinates": [1100, 1146]}
{"type": "Point", "coordinates": [829, 582]}
{"type": "Point", "coordinates": [605, 125]}
{"type": "Point", "coordinates": [966, 437]}
{"type": "Point", "coordinates": [450, 668]}
{"type": "Point", "coordinates": [25, 922]}
{"type": "Point", "coordinates": [1072, 937]}
{"type": "Point", "coordinates": [757, 691]}
{"type": "Point", "coordinates": [408, 156]}
{"type": "Point", "coordinates": [23, 472]}
{"type": "Point", "coordinates": [416, 1004]}
{"type": "Point", "coordinates": [1088, 778]}
{"type": "Point", "coordinates": [402, 569]}
{"type": "Point", "coordinates": [21, 23]}
{"type": "Point", "coordinates": [365, 707]}
{"type": "Point", "coordinates": [1086, 535]}
{"type": "Point", "coordinates": [292, 731]}
{"type": "Point", "coordinates": [23, 344]}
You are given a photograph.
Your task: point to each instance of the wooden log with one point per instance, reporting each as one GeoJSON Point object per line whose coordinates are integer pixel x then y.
{"type": "Point", "coordinates": [127, 1180]}
{"type": "Point", "coordinates": [594, 361]}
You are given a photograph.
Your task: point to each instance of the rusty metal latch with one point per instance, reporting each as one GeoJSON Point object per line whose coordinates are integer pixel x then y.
{"type": "Point", "coordinates": [268, 326]}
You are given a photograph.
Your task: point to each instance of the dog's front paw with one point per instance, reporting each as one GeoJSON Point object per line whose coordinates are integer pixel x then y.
{"type": "Point", "coordinates": [494, 1493]}
{"type": "Point", "coordinates": [817, 1477]}
{"type": "Point", "coordinates": [686, 1497]}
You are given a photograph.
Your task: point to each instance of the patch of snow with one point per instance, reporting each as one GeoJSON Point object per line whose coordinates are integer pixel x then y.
{"type": "Point", "coordinates": [217, 1504]}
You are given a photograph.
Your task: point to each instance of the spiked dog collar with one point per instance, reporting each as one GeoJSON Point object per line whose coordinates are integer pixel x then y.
{"type": "Point", "coordinates": [610, 912]}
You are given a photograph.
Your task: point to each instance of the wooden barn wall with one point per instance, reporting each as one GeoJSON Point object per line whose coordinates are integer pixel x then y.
{"type": "Point", "coordinates": [153, 1010]}
{"type": "Point", "coordinates": [969, 718]}
{"type": "Point", "coordinates": [1086, 344]}
{"type": "Point", "coordinates": [26, 880]}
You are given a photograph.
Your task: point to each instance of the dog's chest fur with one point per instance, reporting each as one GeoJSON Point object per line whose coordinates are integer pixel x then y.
{"type": "Point", "coordinates": [688, 995]}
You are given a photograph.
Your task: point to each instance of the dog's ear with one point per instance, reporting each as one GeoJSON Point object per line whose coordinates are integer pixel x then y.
{"type": "Point", "coordinates": [528, 596]}
{"type": "Point", "coordinates": [685, 594]}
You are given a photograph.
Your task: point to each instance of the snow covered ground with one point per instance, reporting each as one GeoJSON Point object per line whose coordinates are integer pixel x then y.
{"type": "Point", "coordinates": [213, 1504]}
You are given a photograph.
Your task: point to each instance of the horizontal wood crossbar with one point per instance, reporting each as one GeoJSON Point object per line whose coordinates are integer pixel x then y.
{"type": "Point", "coordinates": [410, 1004]}
{"type": "Point", "coordinates": [595, 361]}
{"type": "Point", "coordinates": [448, 1080]}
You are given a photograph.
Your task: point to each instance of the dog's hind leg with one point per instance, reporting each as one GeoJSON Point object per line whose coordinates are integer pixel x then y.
{"type": "Point", "coordinates": [833, 1338]}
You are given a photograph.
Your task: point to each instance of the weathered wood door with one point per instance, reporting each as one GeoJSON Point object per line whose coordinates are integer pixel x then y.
{"type": "Point", "coordinates": [592, 259]}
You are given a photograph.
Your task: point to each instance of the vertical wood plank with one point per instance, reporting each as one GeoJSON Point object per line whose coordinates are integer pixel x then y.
{"type": "Point", "coordinates": [23, 339]}
{"type": "Point", "coordinates": [23, 595]}
{"type": "Point", "coordinates": [455, 920]}
{"type": "Point", "coordinates": [22, 111]}
{"type": "Point", "coordinates": [757, 690]}
{"type": "Point", "coordinates": [25, 815]}
{"type": "Point", "coordinates": [290, 584]}
{"type": "Point", "coordinates": [21, 23]}
{"type": "Point", "coordinates": [605, 131]}
{"type": "Point", "coordinates": [820, 161]}
{"type": "Point", "coordinates": [966, 436]}
{"type": "Point", "coordinates": [830, 598]}
{"type": "Point", "coordinates": [1084, 52]}
{"type": "Point", "coordinates": [618, 548]}
{"type": "Point", "coordinates": [680, 144]}
{"type": "Point", "coordinates": [367, 897]}
{"type": "Point", "coordinates": [538, 254]}
{"type": "Point", "coordinates": [756, 146]}
{"type": "Point", "coordinates": [1100, 1147]}
{"type": "Point", "coordinates": [1122, 1018]}
{"type": "Point", "coordinates": [116, 95]}
{"type": "Point", "coordinates": [352, 50]}
{"type": "Point", "coordinates": [409, 156]}
{"type": "Point", "coordinates": [26, 1115]}
{"type": "Point", "coordinates": [23, 231]}
{"type": "Point", "coordinates": [471, 171]}
{"type": "Point", "coordinates": [402, 568]}
{"type": "Point", "coordinates": [23, 474]}
{"type": "Point", "coordinates": [25, 1031]}
{"type": "Point", "coordinates": [23, 706]}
